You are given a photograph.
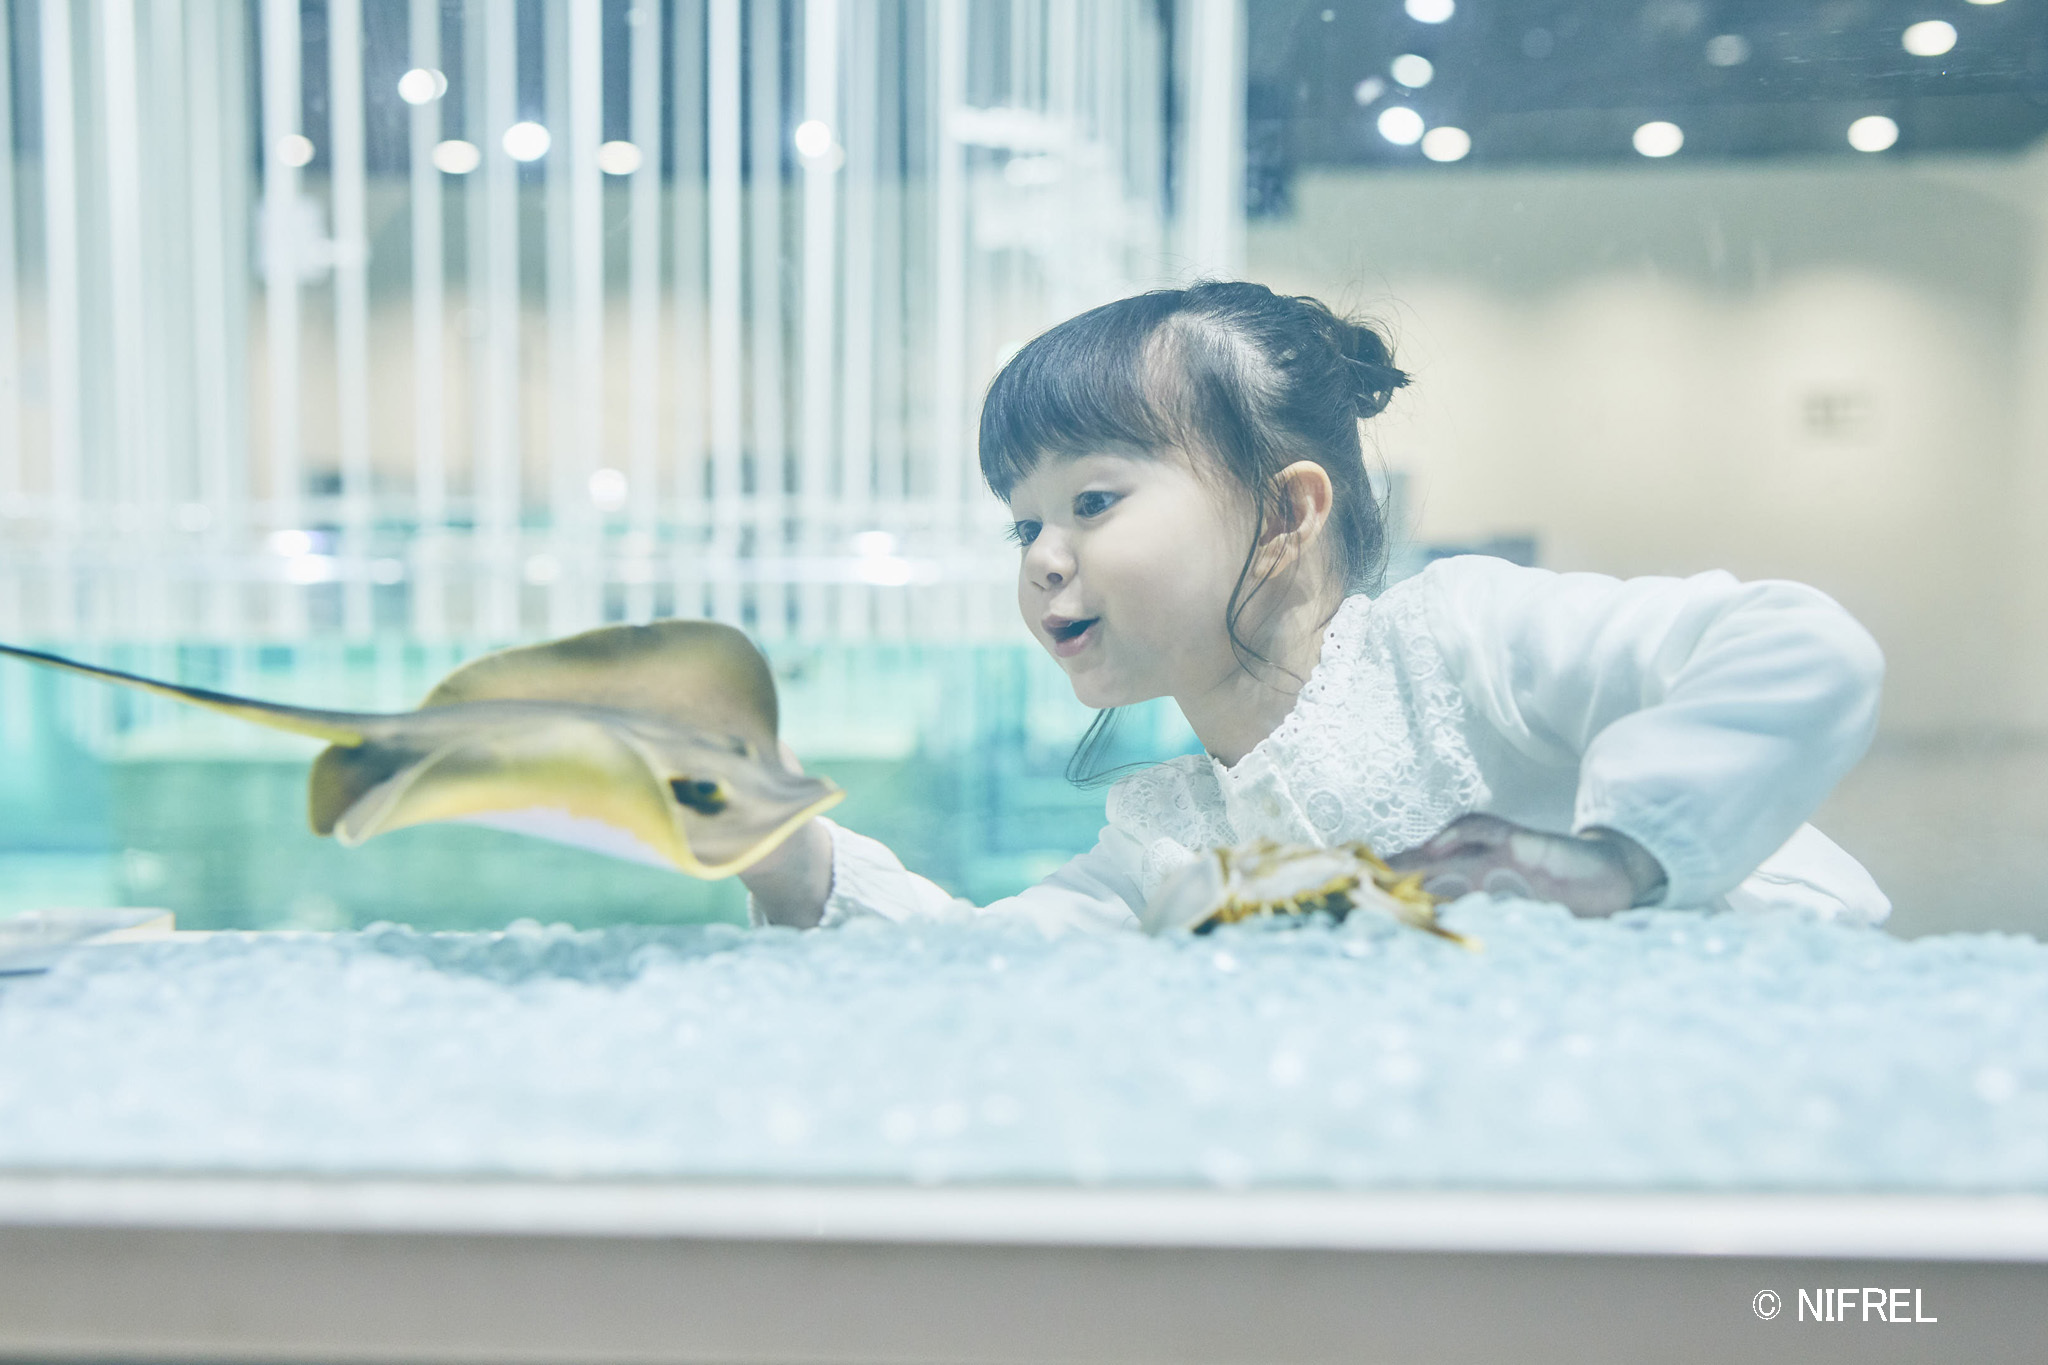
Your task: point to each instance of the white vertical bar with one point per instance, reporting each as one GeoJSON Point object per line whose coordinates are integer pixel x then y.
{"type": "Point", "coordinates": [220, 475]}
{"type": "Point", "coordinates": [820, 209]}
{"type": "Point", "coordinates": [60, 235]}
{"type": "Point", "coordinates": [475, 554]}
{"type": "Point", "coordinates": [894, 137]}
{"type": "Point", "coordinates": [722, 68]}
{"type": "Point", "coordinates": [858, 271]}
{"type": "Point", "coordinates": [1123, 72]}
{"type": "Point", "coordinates": [1114, 53]}
{"type": "Point", "coordinates": [1213, 214]}
{"type": "Point", "coordinates": [691, 389]}
{"type": "Point", "coordinates": [345, 156]}
{"type": "Point", "coordinates": [568, 492]}
{"type": "Point", "coordinates": [135, 469]}
{"type": "Point", "coordinates": [429, 372]}
{"type": "Point", "coordinates": [12, 483]}
{"type": "Point", "coordinates": [1149, 75]}
{"type": "Point", "coordinates": [168, 255]}
{"type": "Point", "coordinates": [945, 437]}
{"type": "Point", "coordinates": [281, 278]}
{"type": "Point", "coordinates": [13, 477]}
{"type": "Point", "coordinates": [1003, 271]}
{"type": "Point", "coordinates": [498, 490]}
{"type": "Point", "coordinates": [643, 286]}
{"type": "Point", "coordinates": [586, 228]}
{"type": "Point", "coordinates": [769, 508]}
{"type": "Point", "coordinates": [1065, 291]}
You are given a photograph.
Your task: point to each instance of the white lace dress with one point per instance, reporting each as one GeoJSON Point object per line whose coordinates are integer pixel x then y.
{"type": "Point", "coordinates": [1703, 717]}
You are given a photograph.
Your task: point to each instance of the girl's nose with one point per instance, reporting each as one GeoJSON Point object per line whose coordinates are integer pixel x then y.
{"type": "Point", "coordinates": [1048, 563]}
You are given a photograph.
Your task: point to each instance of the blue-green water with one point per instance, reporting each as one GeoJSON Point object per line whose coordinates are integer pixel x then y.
{"type": "Point", "coordinates": [952, 756]}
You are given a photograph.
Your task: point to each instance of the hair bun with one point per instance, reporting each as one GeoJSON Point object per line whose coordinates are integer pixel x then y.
{"type": "Point", "coordinates": [1371, 361]}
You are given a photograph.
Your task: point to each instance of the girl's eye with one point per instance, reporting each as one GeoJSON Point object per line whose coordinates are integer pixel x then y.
{"type": "Point", "coordinates": [1093, 504]}
{"type": "Point", "coordinates": [1023, 532]}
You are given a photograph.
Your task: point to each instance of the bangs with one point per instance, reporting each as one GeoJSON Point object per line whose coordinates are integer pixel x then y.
{"type": "Point", "coordinates": [1078, 389]}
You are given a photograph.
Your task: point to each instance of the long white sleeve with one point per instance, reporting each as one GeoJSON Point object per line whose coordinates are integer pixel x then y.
{"type": "Point", "coordinates": [1094, 891]}
{"type": "Point", "coordinates": [1708, 717]}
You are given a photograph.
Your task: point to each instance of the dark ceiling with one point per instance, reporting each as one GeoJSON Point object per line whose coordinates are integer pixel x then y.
{"type": "Point", "coordinates": [1571, 80]}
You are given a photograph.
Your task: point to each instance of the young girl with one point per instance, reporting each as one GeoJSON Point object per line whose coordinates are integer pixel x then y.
{"type": "Point", "coordinates": [1194, 521]}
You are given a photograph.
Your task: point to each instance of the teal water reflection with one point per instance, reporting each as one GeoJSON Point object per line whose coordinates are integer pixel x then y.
{"type": "Point", "coordinates": [954, 756]}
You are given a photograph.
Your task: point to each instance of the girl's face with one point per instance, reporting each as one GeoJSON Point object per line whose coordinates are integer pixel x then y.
{"type": "Point", "coordinates": [1128, 566]}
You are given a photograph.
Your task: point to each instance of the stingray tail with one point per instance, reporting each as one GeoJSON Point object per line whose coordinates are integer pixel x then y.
{"type": "Point", "coordinates": [336, 727]}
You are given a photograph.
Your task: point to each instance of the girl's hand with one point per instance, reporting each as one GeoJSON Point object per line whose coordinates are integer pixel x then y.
{"type": "Point", "coordinates": [1596, 873]}
{"type": "Point", "coordinates": [790, 885]}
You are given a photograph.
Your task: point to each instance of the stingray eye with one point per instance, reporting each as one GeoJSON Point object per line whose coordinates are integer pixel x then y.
{"type": "Point", "coordinates": [706, 798]}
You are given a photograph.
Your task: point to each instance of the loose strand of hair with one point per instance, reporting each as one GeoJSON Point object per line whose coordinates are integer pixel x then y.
{"type": "Point", "coordinates": [1099, 738]}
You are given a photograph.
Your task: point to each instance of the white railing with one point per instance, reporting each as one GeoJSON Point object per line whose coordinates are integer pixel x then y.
{"type": "Point", "coordinates": [714, 351]}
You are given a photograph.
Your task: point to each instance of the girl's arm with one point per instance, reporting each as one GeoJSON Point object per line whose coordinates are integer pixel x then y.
{"type": "Point", "coordinates": [790, 885]}
{"type": "Point", "coordinates": [826, 874]}
{"type": "Point", "coordinates": [1708, 717]}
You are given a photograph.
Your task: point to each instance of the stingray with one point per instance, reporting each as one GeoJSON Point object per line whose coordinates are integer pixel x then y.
{"type": "Point", "coordinates": [655, 743]}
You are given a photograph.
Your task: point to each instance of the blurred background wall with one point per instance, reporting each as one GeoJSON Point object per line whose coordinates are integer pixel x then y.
{"type": "Point", "coordinates": [1805, 342]}
{"type": "Point", "coordinates": [1809, 370]}
{"type": "Point", "coordinates": [1803, 371]}
{"type": "Point", "coordinates": [340, 340]}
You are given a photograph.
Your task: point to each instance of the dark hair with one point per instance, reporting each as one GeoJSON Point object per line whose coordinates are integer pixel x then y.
{"type": "Point", "coordinates": [1229, 370]}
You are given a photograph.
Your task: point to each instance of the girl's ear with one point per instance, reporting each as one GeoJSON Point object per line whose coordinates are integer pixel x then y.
{"type": "Point", "coordinates": [1301, 507]}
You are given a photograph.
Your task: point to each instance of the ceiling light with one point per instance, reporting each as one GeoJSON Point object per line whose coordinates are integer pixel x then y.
{"type": "Point", "coordinates": [618, 158]}
{"type": "Point", "coordinates": [1401, 126]}
{"type": "Point", "coordinates": [1368, 90]}
{"type": "Point", "coordinates": [456, 157]}
{"type": "Point", "coordinates": [1446, 143]}
{"type": "Point", "coordinates": [295, 149]}
{"type": "Point", "coordinates": [1929, 38]}
{"type": "Point", "coordinates": [527, 142]}
{"type": "Point", "coordinates": [1873, 133]}
{"type": "Point", "coordinates": [422, 85]}
{"type": "Point", "coordinates": [1411, 70]}
{"type": "Point", "coordinates": [1659, 138]}
{"type": "Point", "coordinates": [1431, 11]}
{"type": "Point", "coordinates": [813, 138]}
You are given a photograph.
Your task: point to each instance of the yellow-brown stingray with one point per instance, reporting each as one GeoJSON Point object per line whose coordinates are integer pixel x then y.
{"type": "Point", "coordinates": [655, 742]}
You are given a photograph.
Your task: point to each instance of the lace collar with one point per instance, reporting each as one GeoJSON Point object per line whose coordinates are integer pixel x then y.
{"type": "Point", "coordinates": [1374, 750]}
{"type": "Point", "coordinates": [1339, 636]}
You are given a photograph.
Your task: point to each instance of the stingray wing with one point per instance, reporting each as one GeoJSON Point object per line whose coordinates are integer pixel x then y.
{"type": "Point", "coordinates": [567, 761]}
{"type": "Point", "coordinates": [695, 674]}
{"type": "Point", "coordinates": [336, 727]}
{"type": "Point", "coordinates": [574, 776]}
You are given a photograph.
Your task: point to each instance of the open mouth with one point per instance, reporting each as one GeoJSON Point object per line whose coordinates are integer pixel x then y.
{"type": "Point", "coordinates": [1073, 630]}
{"type": "Point", "coordinates": [1072, 637]}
